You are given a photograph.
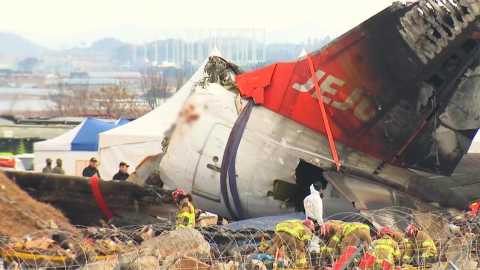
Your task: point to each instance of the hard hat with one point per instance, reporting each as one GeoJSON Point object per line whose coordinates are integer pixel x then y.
{"type": "Point", "coordinates": [383, 231]}
{"type": "Point", "coordinates": [410, 230]}
{"type": "Point", "coordinates": [324, 229]}
{"type": "Point", "coordinates": [178, 192]}
{"type": "Point", "coordinates": [310, 224]}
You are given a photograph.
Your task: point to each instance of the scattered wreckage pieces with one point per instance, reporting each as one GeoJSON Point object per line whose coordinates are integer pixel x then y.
{"type": "Point", "coordinates": [221, 71]}
{"type": "Point", "coordinates": [219, 248]}
{"type": "Point", "coordinates": [172, 245]}
{"type": "Point", "coordinates": [129, 202]}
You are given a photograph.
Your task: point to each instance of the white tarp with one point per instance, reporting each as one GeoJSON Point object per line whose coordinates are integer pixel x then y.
{"type": "Point", "coordinates": [134, 141]}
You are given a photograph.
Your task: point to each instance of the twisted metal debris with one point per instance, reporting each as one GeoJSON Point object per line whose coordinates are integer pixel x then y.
{"type": "Point", "coordinates": [431, 24]}
{"type": "Point", "coordinates": [148, 248]}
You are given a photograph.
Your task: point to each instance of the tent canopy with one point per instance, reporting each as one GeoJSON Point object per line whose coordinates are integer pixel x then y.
{"type": "Point", "coordinates": [83, 137]}
{"type": "Point", "coordinates": [151, 126]}
{"type": "Point", "coordinates": [142, 137]}
{"type": "Point", "coordinates": [302, 53]}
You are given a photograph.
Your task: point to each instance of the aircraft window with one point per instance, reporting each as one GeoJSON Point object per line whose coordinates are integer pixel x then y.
{"type": "Point", "coordinates": [334, 193]}
{"type": "Point", "coordinates": [215, 159]}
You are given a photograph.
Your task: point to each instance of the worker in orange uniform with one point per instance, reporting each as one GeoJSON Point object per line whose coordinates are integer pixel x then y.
{"type": "Point", "coordinates": [385, 248]}
{"type": "Point", "coordinates": [350, 234]}
{"type": "Point", "coordinates": [186, 213]}
{"type": "Point", "coordinates": [405, 246]}
{"type": "Point", "coordinates": [422, 243]}
{"type": "Point", "coordinates": [294, 236]}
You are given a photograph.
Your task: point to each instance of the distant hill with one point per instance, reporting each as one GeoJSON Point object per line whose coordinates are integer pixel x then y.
{"type": "Point", "coordinates": [11, 44]}
{"type": "Point", "coordinates": [104, 46]}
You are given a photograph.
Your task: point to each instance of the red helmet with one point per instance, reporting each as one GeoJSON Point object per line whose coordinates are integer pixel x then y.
{"type": "Point", "coordinates": [410, 230]}
{"type": "Point", "coordinates": [178, 192]}
{"type": "Point", "coordinates": [310, 224]}
{"type": "Point", "coordinates": [324, 229]}
{"type": "Point", "coordinates": [383, 231]}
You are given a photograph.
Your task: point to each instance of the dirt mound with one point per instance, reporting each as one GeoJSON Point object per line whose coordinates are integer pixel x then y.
{"type": "Point", "coordinates": [21, 215]}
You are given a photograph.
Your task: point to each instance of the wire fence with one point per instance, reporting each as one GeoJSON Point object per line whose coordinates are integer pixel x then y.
{"type": "Point", "coordinates": [242, 245]}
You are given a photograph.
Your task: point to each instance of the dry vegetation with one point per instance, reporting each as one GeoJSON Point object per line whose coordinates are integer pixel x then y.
{"type": "Point", "coordinates": [115, 99]}
{"type": "Point", "coordinates": [155, 86]}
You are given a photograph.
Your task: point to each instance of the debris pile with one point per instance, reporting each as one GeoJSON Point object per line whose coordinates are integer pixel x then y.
{"type": "Point", "coordinates": [20, 214]}
{"type": "Point", "coordinates": [240, 245]}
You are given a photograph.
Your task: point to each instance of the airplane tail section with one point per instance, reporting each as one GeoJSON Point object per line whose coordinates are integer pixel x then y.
{"type": "Point", "coordinates": [397, 87]}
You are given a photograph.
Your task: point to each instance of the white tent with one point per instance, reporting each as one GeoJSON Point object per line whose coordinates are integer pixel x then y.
{"type": "Point", "coordinates": [76, 147]}
{"type": "Point", "coordinates": [134, 141]}
{"type": "Point", "coordinates": [303, 53]}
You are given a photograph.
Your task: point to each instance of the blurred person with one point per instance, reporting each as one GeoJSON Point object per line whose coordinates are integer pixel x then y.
{"type": "Point", "coordinates": [58, 169]}
{"type": "Point", "coordinates": [91, 169]}
{"type": "Point", "coordinates": [186, 211]}
{"type": "Point", "coordinates": [385, 248]}
{"type": "Point", "coordinates": [48, 167]}
{"type": "Point", "coordinates": [349, 234]}
{"type": "Point", "coordinates": [422, 243]}
{"type": "Point", "coordinates": [314, 211]}
{"type": "Point", "coordinates": [122, 174]}
{"type": "Point", "coordinates": [325, 233]}
{"type": "Point", "coordinates": [405, 246]}
{"type": "Point", "coordinates": [293, 235]}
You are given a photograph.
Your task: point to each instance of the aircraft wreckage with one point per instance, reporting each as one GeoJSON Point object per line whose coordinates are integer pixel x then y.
{"type": "Point", "coordinates": [384, 116]}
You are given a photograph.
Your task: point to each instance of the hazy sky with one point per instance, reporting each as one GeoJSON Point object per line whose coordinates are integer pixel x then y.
{"type": "Point", "coordinates": [77, 17]}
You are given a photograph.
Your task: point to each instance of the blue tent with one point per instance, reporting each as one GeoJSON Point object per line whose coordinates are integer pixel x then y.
{"type": "Point", "coordinates": [76, 147]}
{"type": "Point", "coordinates": [87, 137]}
{"type": "Point", "coordinates": [83, 137]}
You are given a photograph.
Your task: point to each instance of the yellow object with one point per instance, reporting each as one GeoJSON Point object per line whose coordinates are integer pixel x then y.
{"type": "Point", "coordinates": [11, 253]}
{"type": "Point", "coordinates": [298, 231]}
{"type": "Point", "coordinates": [190, 216]}
{"type": "Point", "coordinates": [263, 246]}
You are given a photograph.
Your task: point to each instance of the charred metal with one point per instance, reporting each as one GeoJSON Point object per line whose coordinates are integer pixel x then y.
{"type": "Point", "coordinates": [430, 26]}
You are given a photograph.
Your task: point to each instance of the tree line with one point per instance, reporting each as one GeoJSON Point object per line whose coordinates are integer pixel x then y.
{"type": "Point", "coordinates": [154, 89]}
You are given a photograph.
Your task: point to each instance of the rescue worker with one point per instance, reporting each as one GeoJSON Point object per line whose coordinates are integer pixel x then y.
{"type": "Point", "coordinates": [314, 211]}
{"type": "Point", "coordinates": [186, 213]}
{"type": "Point", "coordinates": [293, 235]}
{"type": "Point", "coordinates": [422, 243]}
{"type": "Point", "coordinates": [405, 246]}
{"type": "Point", "coordinates": [350, 234]}
{"type": "Point", "coordinates": [122, 173]}
{"type": "Point", "coordinates": [48, 167]}
{"type": "Point", "coordinates": [385, 248]}
{"type": "Point", "coordinates": [91, 169]}
{"type": "Point", "coordinates": [325, 233]}
{"type": "Point", "coordinates": [58, 169]}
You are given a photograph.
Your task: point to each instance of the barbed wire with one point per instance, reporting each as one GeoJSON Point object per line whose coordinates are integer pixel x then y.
{"type": "Point", "coordinates": [160, 246]}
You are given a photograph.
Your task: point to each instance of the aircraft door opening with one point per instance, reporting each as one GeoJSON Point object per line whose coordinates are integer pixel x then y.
{"type": "Point", "coordinates": [206, 183]}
